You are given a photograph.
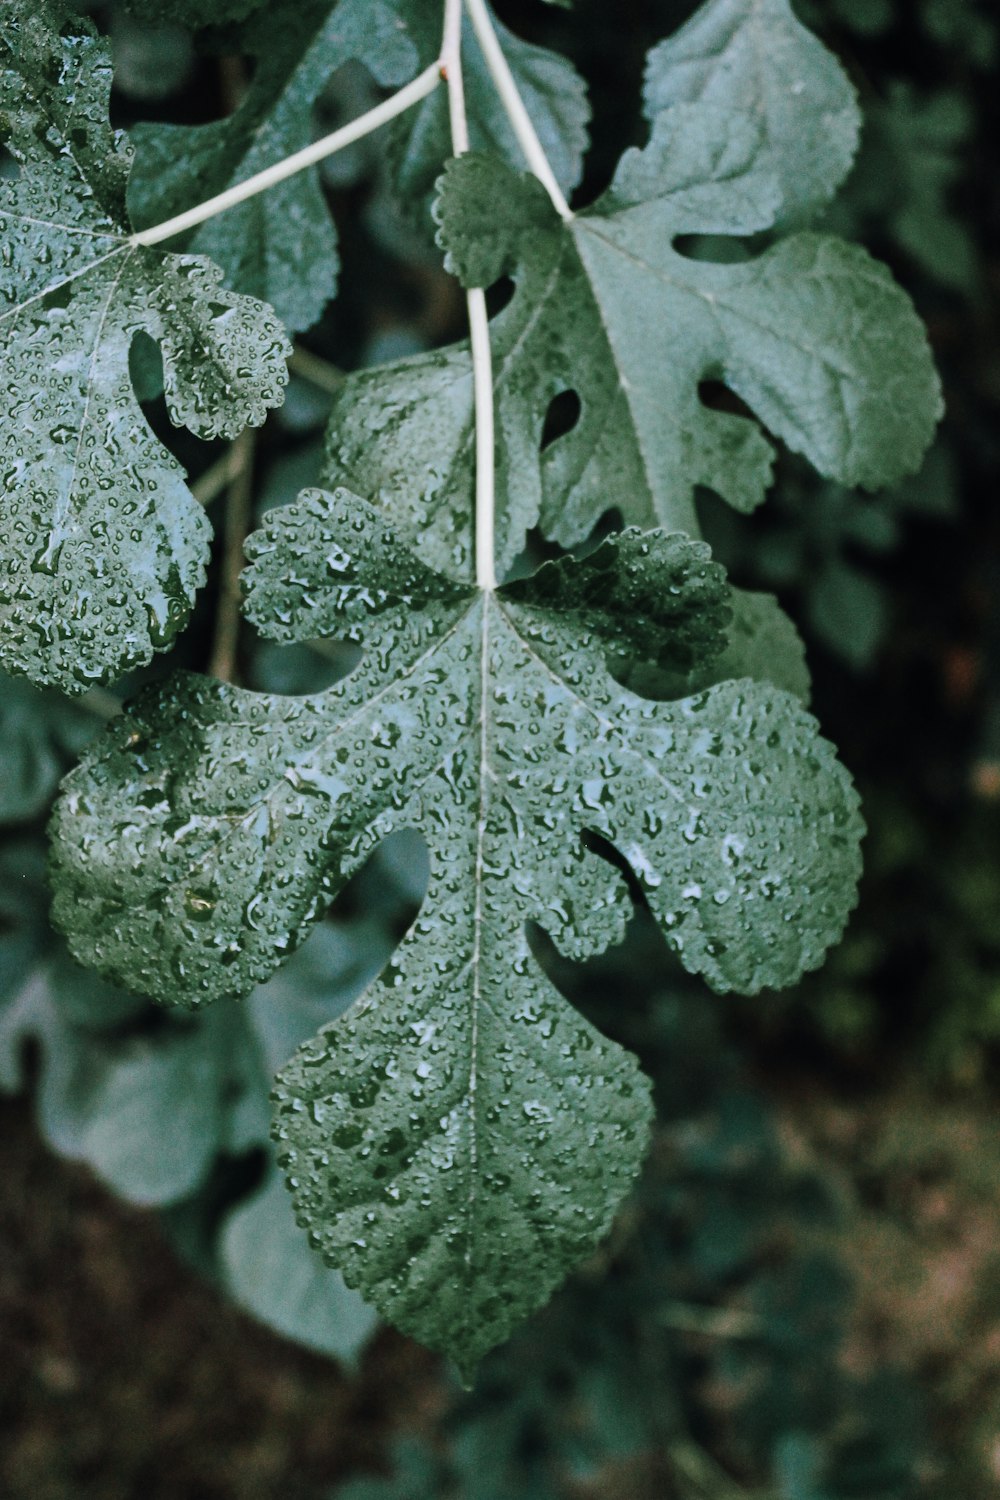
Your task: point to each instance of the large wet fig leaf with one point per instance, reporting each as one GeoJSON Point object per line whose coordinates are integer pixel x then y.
{"type": "Point", "coordinates": [103, 546]}
{"type": "Point", "coordinates": [813, 335]}
{"type": "Point", "coordinates": [755, 56]}
{"type": "Point", "coordinates": [461, 1136]}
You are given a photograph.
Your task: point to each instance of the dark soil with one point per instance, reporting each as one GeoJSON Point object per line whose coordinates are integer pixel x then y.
{"type": "Point", "coordinates": [123, 1376]}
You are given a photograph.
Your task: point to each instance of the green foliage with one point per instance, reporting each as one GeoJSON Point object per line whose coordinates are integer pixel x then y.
{"type": "Point", "coordinates": [105, 546]}
{"type": "Point", "coordinates": [477, 1084]}
{"type": "Point", "coordinates": [823, 543]}
{"type": "Point", "coordinates": [913, 156]}
{"type": "Point", "coordinates": [192, 12]}
{"type": "Point", "coordinates": [718, 1312]}
{"type": "Point", "coordinates": [151, 1103]}
{"type": "Point", "coordinates": [463, 1136]}
{"type": "Point", "coordinates": [280, 246]}
{"type": "Point", "coordinates": [813, 335]}
{"type": "Point", "coordinates": [755, 57]}
{"type": "Point", "coordinates": [927, 929]}
{"type": "Point", "coordinates": [553, 92]}
{"type": "Point", "coordinates": [40, 734]}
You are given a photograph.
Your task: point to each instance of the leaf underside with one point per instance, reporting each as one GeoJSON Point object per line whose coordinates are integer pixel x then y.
{"type": "Point", "coordinates": [103, 544]}
{"type": "Point", "coordinates": [281, 245]}
{"type": "Point", "coordinates": [813, 335]}
{"type": "Point", "coordinates": [755, 56]}
{"type": "Point", "coordinates": [434, 1134]}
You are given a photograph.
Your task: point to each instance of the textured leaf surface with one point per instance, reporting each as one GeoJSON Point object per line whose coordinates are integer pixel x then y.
{"type": "Point", "coordinates": [103, 544]}
{"type": "Point", "coordinates": [754, 56]}
{"type": "Point", "coordinates": [281, 245]}
{"type": "Point", "coordinates": [813, 335]}
{"type": "Point", "coordinates": [762, 644]}
{"type": "Point", "coordinates": [461, 1136]}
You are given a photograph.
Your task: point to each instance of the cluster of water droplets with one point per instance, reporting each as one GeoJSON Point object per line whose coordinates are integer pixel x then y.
{"type": "Point", "coordinates": [461, 1138]}
{"type": "Point", "coordinates": [104, 545]}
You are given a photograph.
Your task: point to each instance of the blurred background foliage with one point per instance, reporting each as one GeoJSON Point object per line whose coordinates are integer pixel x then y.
{"type": "Point", "coordinates": [801, 1301]}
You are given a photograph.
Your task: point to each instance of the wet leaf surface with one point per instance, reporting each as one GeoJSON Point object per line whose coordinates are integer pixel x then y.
{"type": "Point", "coordinates": [103, 544]}
{"type": "Point", "coordinates": [461, 1137]}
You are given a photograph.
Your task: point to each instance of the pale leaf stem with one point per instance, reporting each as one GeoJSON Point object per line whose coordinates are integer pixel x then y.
{"type": "Point", "coordinates": [479, 332]}
{"type": "Point", "coordinates": [208, 486]}
{"type": "Point", "coordinates": [514, 107]}
{"type": "Point", "coordinates": [318, 372]}
{"type": "Point", "coordinates": [355, 130]}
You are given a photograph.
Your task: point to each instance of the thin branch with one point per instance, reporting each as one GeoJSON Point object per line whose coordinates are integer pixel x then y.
{"type": "Point", "coordinates": [716, 1322]}
{"type": "Point", "coordinates": [216, 477]}
{"type": "Point", "coordinates": [100, 703]}
{"type": "Point", "coordinates": [318, 372]}
{"type": "Point", "coordinates": [421, 86]}
{"type": "Point", "coordinates": [510, 98]}
{"type": "Point", "coordinates": [479, 332]}
{"type": "Point", "coordinates": [239, 504]}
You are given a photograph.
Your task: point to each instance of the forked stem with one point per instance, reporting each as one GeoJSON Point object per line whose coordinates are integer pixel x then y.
{"type": "Point", "coordinates": [479, 332]}
{"type": "Point", "coordinates": [449, 67]}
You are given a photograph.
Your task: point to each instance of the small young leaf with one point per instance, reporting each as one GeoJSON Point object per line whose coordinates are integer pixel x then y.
{"type": "Point", "coordinates": [105, 546]}
{"type": "Point", "coordinates": [281, 245]}
{"type": "Point", "coordinates": [754, 56]}
{"type": "Point", "coordinates": [435, 1131]}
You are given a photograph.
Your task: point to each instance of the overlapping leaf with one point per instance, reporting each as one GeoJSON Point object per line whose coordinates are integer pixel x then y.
{"type": "Point", "coordinates": [282, 245]}
{"type": "Point", "coordinates": [41, 734]}
{"type": "Point", "coordinates": [103, 545]}
{"type": "Point", "coordinates": [270, 1270]}
{"type": "Point", "coordinates": [755, 56]}
{"type": "Point", "coordinates": [461, 1137]}
{"type": "Point", "coordinates": [150, 1108]}
{"type": "Point", "coordinates": [813, 334]}
{"type": "Point", "coordinates": [554, 95]}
